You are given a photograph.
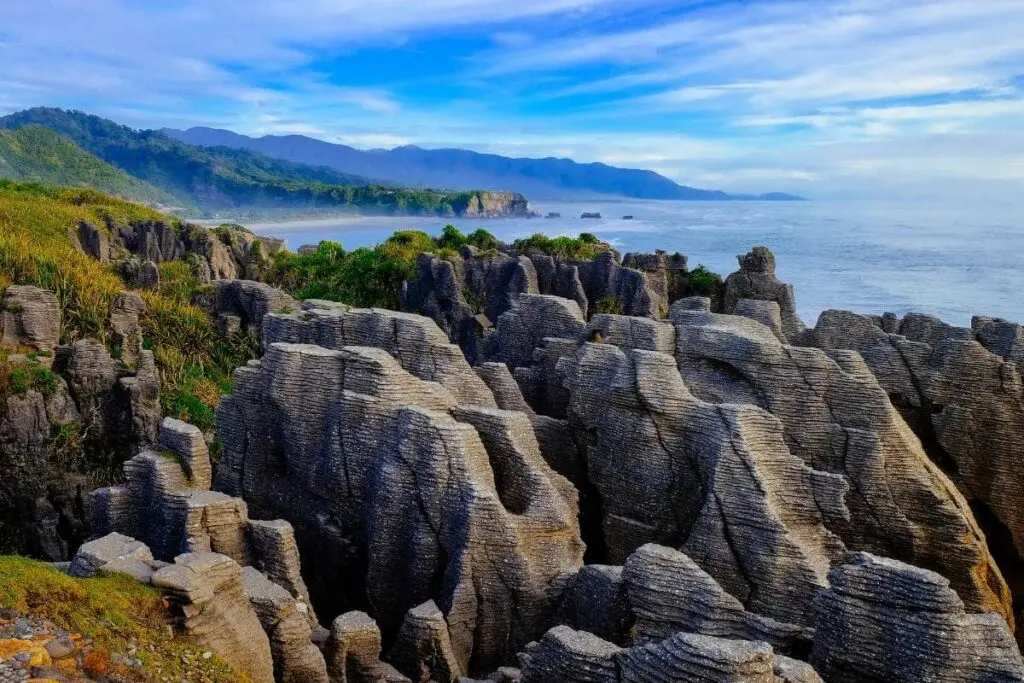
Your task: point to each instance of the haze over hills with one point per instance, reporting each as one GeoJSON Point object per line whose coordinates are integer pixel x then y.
{"type": "Point", "coordinates": [465, 169]}
{"type": "Point", "coordinates": [75, 148]}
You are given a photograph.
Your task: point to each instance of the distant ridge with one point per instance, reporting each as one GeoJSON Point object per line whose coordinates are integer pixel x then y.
{"type": "Point", "coordinates": [460, 169]}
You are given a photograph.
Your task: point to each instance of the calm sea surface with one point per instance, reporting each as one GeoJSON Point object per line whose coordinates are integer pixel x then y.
{"type": "Point", "coordinates": [948, 260]}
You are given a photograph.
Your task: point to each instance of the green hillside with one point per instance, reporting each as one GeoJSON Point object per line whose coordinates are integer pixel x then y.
{"type": "Point", "coordinates": [223, 180]}
{"type": "Point", "coordinates": [38, 154]}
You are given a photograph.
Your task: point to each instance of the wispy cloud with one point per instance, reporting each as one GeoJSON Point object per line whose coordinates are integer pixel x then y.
{"type": "Point", "coordinates": [817, 96]}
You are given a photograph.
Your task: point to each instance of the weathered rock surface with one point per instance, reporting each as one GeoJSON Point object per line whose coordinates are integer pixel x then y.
{"type": "Point", "coordinates": [423, 650]}
{"type": "Point", "coordinates": [964, 401]}
{"type": "Point", "coordinates": [714, 480]}
{"type": "Point", "coordinates": [837, 419]}
{"type": "Point", "coordinates": [392, 484]}
{"type": "Point", "coordinates": [251, 301]}
{"type": "Point", "coordinates": [882, 620]}
{"type": "Point", "coordinates": [296, 659]}
{"type": "Point", "coordinates": [207, 592]}
{"type": "Point", "coordinates": [353, 652]}
{"type": "Point", "coordinates": [756, 280]}
{"type": "Point", "coordinates": [113, 549]}
{"type": "Point", "coordinates": [668, 593]}
{"type": "Point", "coordinates": [415, 342]}
{"type": "Point", "coordinates": [580, 657]}
{"type": "Point", "coordinates": [29, 316]}
{"type": "Point", "coordinates": [125, 328]}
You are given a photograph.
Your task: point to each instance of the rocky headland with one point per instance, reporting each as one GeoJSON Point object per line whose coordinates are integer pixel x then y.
{"type": "Point", "coordinates": [549, 468]}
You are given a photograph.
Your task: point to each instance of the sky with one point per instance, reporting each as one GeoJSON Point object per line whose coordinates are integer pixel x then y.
{"type": "Point", "coordinates": [832, 99]}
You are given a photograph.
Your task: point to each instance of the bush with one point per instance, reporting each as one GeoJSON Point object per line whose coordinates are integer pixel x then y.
{"type": "Point", "coordinates": [704, 282]}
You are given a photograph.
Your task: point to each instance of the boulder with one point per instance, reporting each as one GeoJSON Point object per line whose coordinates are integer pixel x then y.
{"type": "Point", "coordinates": [114, 548]}
{"type": "Point", "coordinates": [251, 301]}
{"type": "Point", "coordinates": [29, 316]}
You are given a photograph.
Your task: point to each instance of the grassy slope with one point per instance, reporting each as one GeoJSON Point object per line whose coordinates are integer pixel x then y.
{"type": "Point", "coordinates": [39, 154]}
{"type": "Point", "coordinates": [116, 611]}
{"type": "Point", "coordinates": [35, 248]}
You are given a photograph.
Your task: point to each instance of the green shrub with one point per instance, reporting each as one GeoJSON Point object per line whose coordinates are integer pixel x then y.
{"type": "Point", "coordinates": [608, 304]}
{"type": "Point", "coordinates": [704, 282]}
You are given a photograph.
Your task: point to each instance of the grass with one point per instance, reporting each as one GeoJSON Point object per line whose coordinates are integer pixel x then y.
{"type": "Point", "coordinates": [36, 248]}
{"type": "Point", "coordinates": [116, 611]}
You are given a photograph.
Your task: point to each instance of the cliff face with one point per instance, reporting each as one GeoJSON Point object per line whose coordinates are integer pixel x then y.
{"type": "Point", "coordinates": [489, 204]}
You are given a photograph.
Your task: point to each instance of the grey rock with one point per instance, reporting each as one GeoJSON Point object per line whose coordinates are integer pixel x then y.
{"type": "Point", "coordinates": [251, 301]}
{"type": "Point", "coordinates": [29, 316]}
{"type": "Point", "coordinates": [882, 620]}
{"type": "Point", "coordinates": [669, 594]}
{"type": "Point", "coordinates": [596, 602]}
{"type": "Point", "coordinates": [353, 650]}
{"type": "Point", "coordinates": [125, 328]}
{"type": "Point", "coordinates": [96, 555]}
{"type": "Point", "coordinates": [207, 593]}
{"type": "Point", "coordinates": [756, 280]}
{"type": "Point", "coordinates": [423, 650]}
{"type": "Point", "coordinates": [296, 659]}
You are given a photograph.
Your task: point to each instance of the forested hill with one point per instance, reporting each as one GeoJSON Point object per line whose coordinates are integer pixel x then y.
{"type": "Point", "coordinates": [39, 154]}
{"type": "Point", "coordinates": [220, 180]}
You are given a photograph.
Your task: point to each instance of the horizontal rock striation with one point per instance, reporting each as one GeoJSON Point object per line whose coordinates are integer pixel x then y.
{"type": "Point", "coordinates": [401, 484]}
{"type": "Point", "coordinates": [962, 393]}
{"type": "Point", "coordinates": [30, 317]}
{"type": "Point", "coordinates": [883, 620]}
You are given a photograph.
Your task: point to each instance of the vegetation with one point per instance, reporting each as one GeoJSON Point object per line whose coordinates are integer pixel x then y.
{"type": "Point", "coordinates": [212, 179]}
{"type": "Point", "coordinates": [195, 363]}
{"type": "Point", "coordinates": [366, 277]}
{"type": "Point", "coordinates": [608, 304]}
{"type": "Point", "coordinates": [704, 282]}
{"type": "Point", "coordinates": [117, 612]}
{"type": "Point", "coordinates": [38, 154]}
{"type": "Point", "coordinates": [582, 248]}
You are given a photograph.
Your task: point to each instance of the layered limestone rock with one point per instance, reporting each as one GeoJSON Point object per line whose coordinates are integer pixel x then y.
{"type": "Point", "coordinates": [296, 659]}
{"type": "Point", "coordinates": [208, 601]}
{"type": "Point", "coordinates": [596, 602]}
{"type": "Point", "coordinates": [668, 593]}
{"type": "Point", "coordinates": [125, 328]}
{"type": "Point", "coordinates": [206, 591]}
{"type": "Point", "coordinates": [119, 410]}
{"type": "Point", "coordinates": [423, 649]}
{"type": "Point", "coordinates": [572, 656]}
{"type": "Point", "coordinates": [353, 652]}
{"type": "Point", "coordinates": [961, 391]}
{"type": "Point", "coordinates": [399, 491]}
{"type": "Point", "coordinates": [30, 317]}
{"type": "Point", "coordinates": [756, 280]}
{"type": "Point", "coordinates": [415, 342]}
{"type": "Point", "coordinates": [838, 419]}
{"type": "Point", "coordinates": [882, 620]}
{"type": "Point", "coordinates": [248, 302]}
{"type": "Point", "coordinates": [532, 318]}
{"type": "Point", "coordinates": [714, 480]}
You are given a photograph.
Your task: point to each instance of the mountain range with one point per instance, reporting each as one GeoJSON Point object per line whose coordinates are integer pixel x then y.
{"type": "Point", "coordinates": [75, 148]}
{"type": "Point", "coordinates": [548, 178]}
{"type": "Point", "coordinates": [218, 173]}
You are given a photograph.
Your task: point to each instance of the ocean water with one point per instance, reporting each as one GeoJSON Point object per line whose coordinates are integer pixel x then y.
{"type": "Point", "coordinates": [949, 260]}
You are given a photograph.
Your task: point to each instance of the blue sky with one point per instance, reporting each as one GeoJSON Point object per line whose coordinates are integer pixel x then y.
{"type": "Point", "coordinates": [829, 98]}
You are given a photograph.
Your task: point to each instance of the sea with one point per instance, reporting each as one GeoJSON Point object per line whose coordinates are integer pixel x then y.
{"type": "Point", "coordinates": [943, 258]}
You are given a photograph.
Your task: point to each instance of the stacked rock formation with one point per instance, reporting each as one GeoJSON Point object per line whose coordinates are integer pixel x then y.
{"type": "Point", "coordinates": [467, 294]}
{"type": "Point", "coordinates": [30, 317]}
{"type": "Point", "coordinates": [166, 503]}
{"type": "Point", "coordinates": [756, 281]}
{"type": "Point", "coordinates": [71, 397]}
{"type": "Point", "coordinates": [227, 252]}
{"type": "Point", "coordinates": [372, 435]}
{"type": "Point", "coordinates": [962, 392]}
